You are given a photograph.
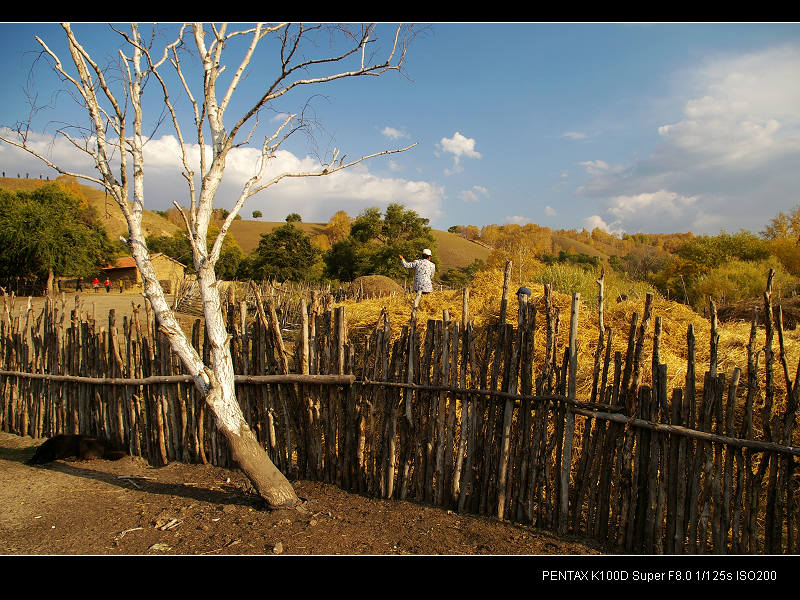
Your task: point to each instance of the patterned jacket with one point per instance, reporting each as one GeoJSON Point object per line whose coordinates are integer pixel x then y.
{"type": "Point", "coordinates": [423, 272]}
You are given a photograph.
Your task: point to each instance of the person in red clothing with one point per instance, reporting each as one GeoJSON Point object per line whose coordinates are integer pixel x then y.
{"type": "Point", "coordinates": [96, 284]}
{"type": "Point", "coordinates": [107, 283]}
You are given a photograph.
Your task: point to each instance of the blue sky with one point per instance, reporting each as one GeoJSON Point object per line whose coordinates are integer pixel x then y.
{"type": "Point", "coordinates": [629, 127]}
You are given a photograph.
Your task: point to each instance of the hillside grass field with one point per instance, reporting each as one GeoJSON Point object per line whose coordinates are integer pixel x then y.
{"type": "Point", "coordinates": [454, 251]}
{"type": "Point", "coordinates": [108, 211]}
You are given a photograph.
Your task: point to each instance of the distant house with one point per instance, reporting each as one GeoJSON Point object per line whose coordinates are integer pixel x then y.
{"type": "Point", "coordinates": [170, 272]}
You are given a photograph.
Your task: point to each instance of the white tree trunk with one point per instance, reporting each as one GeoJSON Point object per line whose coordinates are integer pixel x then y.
{"type": "Point", "coordinates": [111, 145]}
{"type": "Point", "coordinates": [251, 457]}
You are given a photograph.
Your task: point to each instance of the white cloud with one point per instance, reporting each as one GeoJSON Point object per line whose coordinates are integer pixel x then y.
{"type": "Point", "coordinates": [664, 207]}
{"type": "Point", "coordinates": [595, 167]}
{"type": "Point", "coordinates": [729, 162]}
{"type": "Point", "coordinates": [518, 220]}
{"type": "Point", "coordinates": [315, 198]}
{"type": "Point", "coordinates": [392, 133]}
{"type": "Point", "coordinates": [550, 211]}
{"type": "Point", "coordinates": [594, 221]}
{"type": "Point", "coordinates": [575, 135]}
{"type": "Point", "coordinates": [458, 146]}
{"type": "Point", "coordinates": [746, 113]}
{"type": "Point", "coordinates": [474, 194]}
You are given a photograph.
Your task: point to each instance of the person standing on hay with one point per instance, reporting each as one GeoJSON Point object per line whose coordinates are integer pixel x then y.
{"type": "Point", "coordinates": [424, 269]}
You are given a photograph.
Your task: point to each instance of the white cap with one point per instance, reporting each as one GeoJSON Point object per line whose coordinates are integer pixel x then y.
{"type": "Point", "coordinates": [426, 252]}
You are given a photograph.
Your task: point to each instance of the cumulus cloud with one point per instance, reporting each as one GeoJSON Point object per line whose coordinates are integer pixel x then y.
{"type": "Point", "coordinates": [474, 194]}
{"type": "Point", "coordinates": [550, 211]}
{"type": "Point", "coordinates": [728, 162]}
{"type": "Point", "coordinates": [518, 220]}
{"type": "Point", "coordinates": [667, 208]}
{"type": "Point", "coordinates": [351, 190]}
{"type": "Point", "coordinates": [746, 110]}
{"type": "Point", "coordinates": [595, 167]}
{"type": "Point", "coordinates": [596, 221]}
{"type": "Point", "coordinates": [392, 133]}
{"type": "Point", "coordinates": [458, 145]}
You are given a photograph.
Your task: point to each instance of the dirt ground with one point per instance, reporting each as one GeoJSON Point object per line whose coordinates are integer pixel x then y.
{"type": "Point", "coordinates": [97, 303]}
{"type": "Point", "coordinates": [125, 507]}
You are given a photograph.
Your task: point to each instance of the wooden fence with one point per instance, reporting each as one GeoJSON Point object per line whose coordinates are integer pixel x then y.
{"type": "Point", "coordinates": [482, 422]}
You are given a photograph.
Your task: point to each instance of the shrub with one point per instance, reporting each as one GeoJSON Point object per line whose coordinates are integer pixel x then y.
{"type": "Point", "coordinates": [737, 280]}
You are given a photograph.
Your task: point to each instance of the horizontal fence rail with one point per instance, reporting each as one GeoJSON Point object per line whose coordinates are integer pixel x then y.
{"type": "Point", "coordinates": [481, 422]}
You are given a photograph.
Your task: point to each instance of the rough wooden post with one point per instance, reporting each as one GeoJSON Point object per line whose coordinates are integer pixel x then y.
{"type": "Point", "coordinates": [569, 429]}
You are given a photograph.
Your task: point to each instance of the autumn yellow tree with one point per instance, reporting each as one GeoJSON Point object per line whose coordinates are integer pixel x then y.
{"type": "Point", "coordinates": [783, 235]}
{"type": "Point", "coordinates": [338, 227]}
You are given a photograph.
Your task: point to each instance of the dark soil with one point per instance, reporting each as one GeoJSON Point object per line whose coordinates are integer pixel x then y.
{"type": "Point", "coordinates": [125, 507]}
{"type": "Point", "coordinates": [743, 311]}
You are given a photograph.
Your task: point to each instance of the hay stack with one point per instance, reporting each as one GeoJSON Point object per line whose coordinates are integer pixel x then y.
{"type": "Point", "coordinates": [374, 286]}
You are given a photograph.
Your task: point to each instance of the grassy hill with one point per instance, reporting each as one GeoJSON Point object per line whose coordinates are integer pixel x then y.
{"type": "Point", "coordinates": [454, 251]}
{"type": "Point", "coordinates": [563, 242]}
{"type": "Point", "coordinates": [247, 233]}
{"type": "Point", "coordinates": [106, 208]}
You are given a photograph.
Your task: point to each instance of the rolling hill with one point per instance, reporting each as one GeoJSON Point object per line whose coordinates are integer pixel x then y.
{"type": "Point", "coordinates": [107, 210]}
{"type": "Point", "coordinates": [454, 250]}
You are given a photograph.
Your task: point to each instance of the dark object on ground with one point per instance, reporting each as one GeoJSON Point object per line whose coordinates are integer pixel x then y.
{"type": "Point", "coordinates": [743, 311]}
{"type": "Point", "coordinates": [83, 447]}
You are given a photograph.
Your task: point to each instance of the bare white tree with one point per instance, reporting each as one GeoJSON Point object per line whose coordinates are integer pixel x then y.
{"type": "Point", "coordinates": [116, 108]}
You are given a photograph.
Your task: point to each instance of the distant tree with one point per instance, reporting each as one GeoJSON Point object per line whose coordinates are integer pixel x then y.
{"type": "Point", "coordinates": [286, 254]}
{"type": "Point", "coordinates": [257, 214]}
{"type": "Point", "coordinates": [783, 236]}
{"type": "Point", "coordinates": [338, 227]}
{"type": "Point", "coordinates": [374, 242]}
{"type": "Point", "coordinates": [571, 258]}
{"type": "Point", "coordinates": [462, 276]}
{"type": "Point", "coordinates": [368, 226]}
{"type": "Point", "coordinates": [471, 232]}
{"type": "Point", "coordinates": [175, 246]}
{"type": "Point", "coordinates": [454, 229]}
{"type": "Point", "coordinates": [49, 232]}
{"type": "Point", "coordinates": [70, 184]}
{"type": "Point", "coordinates": [293, 218]}
{"type": "Point", "coordinates": [783, 225]}
{"type": "Point", "coordinates": [712, 251]}
{"type": "Point", "coordinates": [643, 261]}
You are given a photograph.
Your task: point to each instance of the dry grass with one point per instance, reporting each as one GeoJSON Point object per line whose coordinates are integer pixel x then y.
{"type": "Point", "coordinates": [368, 286]}
{"type": "Point", "coordinates": [248, 233]}
{"type": "Point", "coordinates": [456, 252]}
{"type": "Point", "coordinates": [484, 310]}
